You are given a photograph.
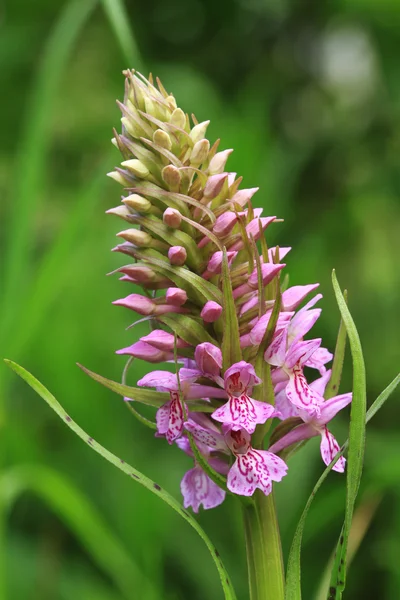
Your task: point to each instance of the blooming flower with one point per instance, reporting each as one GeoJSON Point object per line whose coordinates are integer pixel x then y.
{"type": "Point", "coordinates": [241, 411]}
{"type": "Point", "coordinates": [315, 423]}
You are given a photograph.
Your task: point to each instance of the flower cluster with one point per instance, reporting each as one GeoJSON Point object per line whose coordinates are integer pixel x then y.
{"type": "Point", "coordinates": [189, 222]}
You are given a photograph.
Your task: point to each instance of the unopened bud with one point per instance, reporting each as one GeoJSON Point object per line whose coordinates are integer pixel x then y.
{"type": "Point", "coordinates": [208, 358]}
{"type": "Point", "coordinates": [243, 196]}
{"type": "Point", "coordinates": [218, 162]}
{"type": "Point", "coordinates": [161, 138]}
{"type": "Point", "coordinates": [177, 255]}
{"type": "Point", "coordinates": [146, 352]}
{"type": "Point", "coordinates": [138, 203]}
{"type": "Point", "coordinates": [176, 296]}
{"type": "Point", "coordinates": [214, 185]}
{"type": "Point", "coordinates": [172, 218]}
{"type": "Point", "coordinates": [215, 263]}
{"type": "Point", "coordinates": [120, 178]}
{"type": "Point", "coordinates": [162, 340]}
{"type": "Point", "coordinates": [136, 167]}
{"type": "Point", "coordinates": [211, 311]}
{"type": "Point", "coordinates": [120, 211]}
{"type": "Point", "coordinates": [131, 127]}
{"type": "Point", "coordinates": [140, 304]}
{"type": "Point", "coordinates": [178, 118]}
{"type": "Point", "coordinates": [172, 177]}
{"type": "Point", "coordinates": [225, 223]}
{"type": "Point", "coordinates": [137, 237]}
{"type": "Point", "coordinates": [200, 152]}
{"type": "Point", "coordinates": [199, 131]}
{"type": "Point", "coordinates": [170, 100]}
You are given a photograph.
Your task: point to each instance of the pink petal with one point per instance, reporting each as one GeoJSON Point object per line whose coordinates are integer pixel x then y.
{"type": "Point", "coordinates": [300, 433]}
{"type": "Point", "coordinates": [169, 418]}
{"type": "Point", "coordinates": [319, 385]}
{"type": "Point", "coordinates": [275, 354]}
{"type": "Point", "coordinates": [292, 297]}
{"type": "Point", "coordinates": [255, 469]}
{"type": "Point", "coordinates": [163, 379]}
{"type": "Point", "coordinates": [329, 449]}
{"type": "Point", "coordinates": [318, 359]}
{"type": "Point", "coordinates": [302, 322]}
{"type": "Point", "coordinates": [284, 407]}
{"type": "Point", "coordinates": [240, 377]}
{"type": "Point", "coordinates": [299, 352]}
{"type": "Point", "coordinates": [243, 413]}
{"type": "Point", "coordinates": [331, 407]}
{"type": "Point", "coordinates": [302, 396]}
{"type": "Point", "coordinates": [214, 440]}
{"type": "Point", "coordinates": [197, 488]}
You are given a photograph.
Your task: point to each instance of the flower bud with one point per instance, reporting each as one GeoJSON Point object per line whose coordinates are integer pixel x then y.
{"type": "Point", "coordinates": [172, 218]}
{"type": "Point", "coordinates": [120, 178]}
{"type": "Point", "coordinates": [215, 263]}
{"type": "Point", "coordinates": [138, 203]}
{"type": "Point", "coordinates": [137, 168]}
{"type": "Point", "coordinates": [176, 296]}
{"type": "Point", "coordinates": [225, 223]}
{"type": "Point", "coordinates": [146, 352]}
{"type": "Point", "coordinates": [131, 127]}
{"type": "Point", "coordinates": [211, 311]}
{"type": "Point", "coordinates": [137, 237]}
{"type": "Point", "coordinates": [199, 131]}
{"type": "Point", "coordinates": [200, 152]}
{"type": "Point", "coordinates": [140, 304]}
{"type": "Point", "coordinates": [177, 255]}
{"type": "Point", "coordinates": [218, 162]}
{"type": "Point", "coordinates": [161, 138]}
{"type": "Point", "coordinates": [178, 118]}
{"type": "Point", "coordinates": [162, 340]}
{"type": "Point", "coordinates": [140, 273]}
{"type": "Point", "coordinates": [172, 177]}
{"type": "Point", "coordinates": [243, 196]}
{"type": "Point", "coordinates": [120, 211]}
{"type": "Point", "coordinates": [208, 358]}
{"type": "Point", "coordinates": [214, 185]}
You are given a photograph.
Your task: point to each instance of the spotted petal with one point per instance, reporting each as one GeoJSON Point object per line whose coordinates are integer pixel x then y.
{"type": "Point", "coordinates": [299, 393]}
{"type": "Point", "coordinates": [212, 439]}
{"type": "Point", "coordinates": [255, 469]}
{"type": "Point", "coordinates": [197, 488]}
{"type": "Point", "coordinates": [243, 412]}
{"type": "Point", "coordinates": [329, 449]}
{"type": "Point", "coordinates": [169, 418]}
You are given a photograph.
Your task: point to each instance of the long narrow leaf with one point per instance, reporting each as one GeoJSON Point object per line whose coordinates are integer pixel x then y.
{"type": "Point", "coordinates": [155, 488]}
{"type": "Point", "coordinates": [356, 444]}
{"type": "Point", "coordinates": [82, 518]}
{"type": "Point", "coordinates": [332, 389]}
{"type": "Point", "coordinates": [119, 21]}
{"type": "Point", "coordinates": [293, 580]}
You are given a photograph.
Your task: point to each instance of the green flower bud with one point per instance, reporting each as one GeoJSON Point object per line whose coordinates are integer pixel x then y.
{"type": "Point", "coordinates": [200, 152]}
{"type": "Point", "coordinates": [178, 118]}
{"type": "Point", "coordinates": [138, 203]}
{"type": "Point", "coordinates": [137, 168]}
{"type": "Point", "coordinates": [161, 138]}
{"type": "Point", "coordinates": [120, 178]}
{"type": "Point", "coordinates": [141, 239]}
{"type": "Point", "coordinates": [199, 131]}
{"type": "Point", "coordinates": [172, 177]}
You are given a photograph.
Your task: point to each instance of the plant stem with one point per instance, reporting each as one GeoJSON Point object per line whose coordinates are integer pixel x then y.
{"type": "Point", "coordinates": [263, 547]}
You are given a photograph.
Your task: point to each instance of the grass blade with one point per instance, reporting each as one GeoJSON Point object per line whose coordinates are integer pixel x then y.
{"type": "Point", "coordinates": [119, 21]}
{"type": "Point", "coordinates": [82, 518]}
{"type": "Point", "coordinates": [31, 159]}
{"type": "Point", "coordinates": [332, 389]}
{"type": "Point", "coordinates": [128, 470]}
{"type": "Point", "coordinates": [356, 444]}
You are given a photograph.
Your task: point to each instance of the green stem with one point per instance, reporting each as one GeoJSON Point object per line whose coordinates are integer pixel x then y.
{"type": "Point", "coordinates": [263, 547]}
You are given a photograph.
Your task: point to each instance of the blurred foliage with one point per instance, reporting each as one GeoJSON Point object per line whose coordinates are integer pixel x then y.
{"type": "Point", "coordinates": [307, 94]}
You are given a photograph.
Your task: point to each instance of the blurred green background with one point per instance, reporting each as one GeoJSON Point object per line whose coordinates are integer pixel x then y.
{"type": "Point", "coordinates": [308, 95]}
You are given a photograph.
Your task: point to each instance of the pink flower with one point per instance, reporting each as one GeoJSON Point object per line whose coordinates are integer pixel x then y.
{"type": "Point", "coordinates": [252, 468]}
{"type": "Point", "coordinates": [197, 488]}
{"type": "Point", "coordinates": [315, 422]}
{"type": "Point", "coordinates": [241, 411]}
{"type": "Point", "coordinates": [170, 418]}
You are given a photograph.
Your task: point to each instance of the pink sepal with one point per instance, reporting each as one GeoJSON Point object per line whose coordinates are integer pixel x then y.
{"type": "Point", "coordinates": [198, 489]}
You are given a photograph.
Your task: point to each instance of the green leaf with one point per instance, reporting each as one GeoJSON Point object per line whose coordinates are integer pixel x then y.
{"type": "Point", "coordinates": [128, 470]}
{"type": "Point", "coordinates": [293, 589]}
{"type": "Point", "coordinates": [148, 397]}
{"type": "Point", "coordinates": [356, 444]}
{"type": "Point", "coordinates": [119, 21]}
{"type": "Point", "coordinates": [187, 328]}
{"type": "Point", "coordinates": [231, 351]}
{"type": "Point", "coordinates": [82, 518]}
{"type": "Point", "coordinates": [332, 389]}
